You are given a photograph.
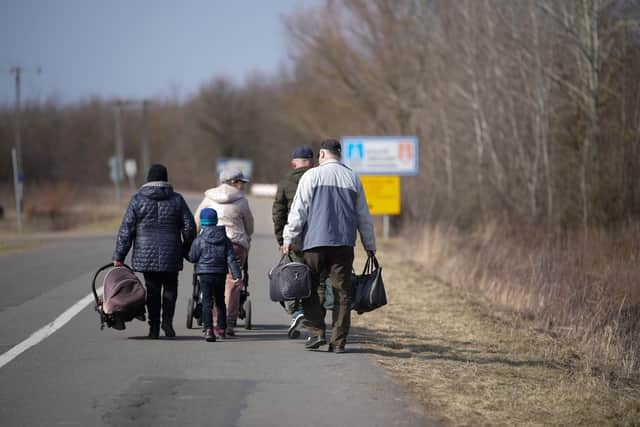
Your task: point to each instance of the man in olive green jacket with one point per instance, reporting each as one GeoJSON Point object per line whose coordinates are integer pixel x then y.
{"type": "Point", "coordinates": [301, 161]}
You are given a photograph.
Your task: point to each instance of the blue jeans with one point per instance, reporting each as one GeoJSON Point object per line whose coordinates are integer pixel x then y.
{"type": "Point", "coordinates": [212, 286]}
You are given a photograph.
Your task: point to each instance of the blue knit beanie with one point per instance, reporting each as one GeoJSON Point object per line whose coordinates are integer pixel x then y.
{"type": "Point", "coordinates": [208, 217]}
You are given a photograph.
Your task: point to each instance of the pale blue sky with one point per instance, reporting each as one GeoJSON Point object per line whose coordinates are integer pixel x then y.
{"type": "Point", "coordinates": [137, 48]}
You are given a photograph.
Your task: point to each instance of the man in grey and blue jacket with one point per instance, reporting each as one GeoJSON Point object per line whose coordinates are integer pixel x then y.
{"type": "Point", "coordinates": [328, 210]}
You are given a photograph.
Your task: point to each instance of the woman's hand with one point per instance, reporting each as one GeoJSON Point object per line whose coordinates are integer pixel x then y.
{"type": "Point", "coordinates": [118, 263]}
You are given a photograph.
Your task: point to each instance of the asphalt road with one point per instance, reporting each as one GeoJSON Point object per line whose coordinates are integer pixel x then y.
{"type": "Point", "coordinates": [83, 376]}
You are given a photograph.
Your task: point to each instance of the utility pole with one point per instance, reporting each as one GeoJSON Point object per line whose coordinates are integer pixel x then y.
{"type": "Point", "coordinates": [16, 152]}
{"type": "Point", "coordinates": [18, 175]}
{"type": "Point", "coordinates": [119, 153]}
{"type": "Point", "coordinates": [17, 71]}
{"type": "Point", "coordinates": [145, 154]}
{"type": "Point", "coordinates": [118, 162]}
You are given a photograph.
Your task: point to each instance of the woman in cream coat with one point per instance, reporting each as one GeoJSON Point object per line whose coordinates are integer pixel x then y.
{"type": "Point", "coordinates": [230, 203]}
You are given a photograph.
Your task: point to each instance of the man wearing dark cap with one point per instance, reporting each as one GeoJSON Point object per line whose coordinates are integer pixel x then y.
{"type": "Point", "coordinates": [328, 210]}
{"type": "Point", "coordinates": [301, 161]}
{"type": "Point", "coordinates": [160, 227]}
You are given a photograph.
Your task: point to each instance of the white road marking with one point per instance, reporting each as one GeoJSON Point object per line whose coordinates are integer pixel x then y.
{"type": "Point", "coordinates": [48, 329]}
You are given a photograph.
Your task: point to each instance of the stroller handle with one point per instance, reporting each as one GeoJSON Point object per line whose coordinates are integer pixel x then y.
{"type": "Point", "coordinates": [95, 276]}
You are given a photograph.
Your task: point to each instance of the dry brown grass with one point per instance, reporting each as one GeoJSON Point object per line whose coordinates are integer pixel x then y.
{"type": "Point", "coordinates": [472, 364]}
{"type": "Point", "coordinates": [583, 287]}
{"type": "Point", "coordinates": [62, 207]}
{"type": "Point", "coordinates": [54, 211]}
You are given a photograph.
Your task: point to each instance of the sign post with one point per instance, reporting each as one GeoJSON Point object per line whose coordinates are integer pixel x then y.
{"type": "Point", "coordinates": [380, 161]}
{"type": "Point", "coordinates": [18, 185]}
{"type": "Point", "coordinates": [116, 175]}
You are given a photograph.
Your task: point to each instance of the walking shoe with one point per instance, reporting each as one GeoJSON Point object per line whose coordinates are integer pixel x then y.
{"type": "Point", "coordinates": [168, 330]}
{"type": "Point", "coordinates": [314, 342]}
{"type": "Point", "coordinates": [336, 350]}
{"type": "Point", "coordinates": [220, 333]}
{"type": "Point", "coordinates": [154, 332]}
{"type": "Point", "coordinates": [230, 332]}
{"type": "Point", "coordinates": [209, 335]}
{"type": "Point", "coordinates": [293, 331]}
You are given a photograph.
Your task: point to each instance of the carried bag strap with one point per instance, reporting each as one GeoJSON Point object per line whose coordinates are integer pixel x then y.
{"type": "Point", "coordinates": [371, 265]}
{"type": "Point", "coordinates": [287, 255]}
{"type": "Point", "coordinates": [376, 265]}
{"type": "Point", "coordinates": [367, 266]}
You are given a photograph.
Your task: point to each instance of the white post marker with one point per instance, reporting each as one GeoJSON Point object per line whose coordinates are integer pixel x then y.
{"type": "Point", "coordinates": [115, 173]}
{"type": "Point", "coordinates": [47, 330]}
{"type": "Point", "coordinates": [131, 170]}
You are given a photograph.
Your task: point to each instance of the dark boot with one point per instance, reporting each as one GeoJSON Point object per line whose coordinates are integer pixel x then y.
{"type": "Point", "coordinates": [154, 331]}
{"type": "Point", "coordinates": [168, 330]}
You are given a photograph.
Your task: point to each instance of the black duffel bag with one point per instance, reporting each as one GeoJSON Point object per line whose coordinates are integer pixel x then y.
{"type": "Point", "coordinates": [368, 292]}
{"type": "Point", "coordinates": [289, 280]}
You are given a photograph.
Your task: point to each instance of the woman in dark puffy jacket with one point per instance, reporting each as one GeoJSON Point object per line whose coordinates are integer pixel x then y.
{"type": "Point", "coordinates": [160, 226]}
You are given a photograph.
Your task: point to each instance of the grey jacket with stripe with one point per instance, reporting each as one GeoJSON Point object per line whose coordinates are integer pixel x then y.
{"type": "Point", "coordinates": [328, 208]}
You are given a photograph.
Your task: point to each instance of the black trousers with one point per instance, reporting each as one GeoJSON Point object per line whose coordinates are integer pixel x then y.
{"type": "Point", "coordinates": [212, 286]}
{"type": "Point", "coordinates": [162, 293]}
{"type": "Point", "coordinates": [337, 263]}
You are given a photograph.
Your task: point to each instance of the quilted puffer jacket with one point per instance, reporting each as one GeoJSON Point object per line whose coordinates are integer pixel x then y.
{"type": "Point", "coordinates": [159, 225]}
{"type": "Point", "coordinates": [233, 211]}
{"type": "Point", "coordinates": [212, 252]}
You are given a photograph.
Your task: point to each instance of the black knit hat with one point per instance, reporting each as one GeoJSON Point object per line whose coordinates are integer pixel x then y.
{"type": "Point", "coordinates": [157, 172]}
{"type": "Point", "coordinates": [332, 145]}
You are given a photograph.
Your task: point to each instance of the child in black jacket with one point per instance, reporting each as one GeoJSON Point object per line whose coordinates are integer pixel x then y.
{"type": "Point", "coordinates": [213, 256]}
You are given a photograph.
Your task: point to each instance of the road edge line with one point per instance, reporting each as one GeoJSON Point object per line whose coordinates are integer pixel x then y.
{"type": "Point", "coordinates": [44, 332]}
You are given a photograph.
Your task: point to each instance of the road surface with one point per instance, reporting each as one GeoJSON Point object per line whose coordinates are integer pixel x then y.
{"type": "Point", "coordinates": [82, 376]}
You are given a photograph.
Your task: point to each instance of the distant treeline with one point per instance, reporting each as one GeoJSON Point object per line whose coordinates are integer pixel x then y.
{"type": "Point", "coordinates": [525, 111]}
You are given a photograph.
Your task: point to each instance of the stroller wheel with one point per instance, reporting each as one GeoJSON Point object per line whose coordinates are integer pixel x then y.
{"type": "Point", "coordinates": [247, 310]}
{"type": "Point", "coordinates": [294, 334]}
{"type": "Point", "coordinates": [190, 313]}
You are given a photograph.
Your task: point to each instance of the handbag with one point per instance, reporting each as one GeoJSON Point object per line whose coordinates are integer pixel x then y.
{"type": "Point", "coordinates": [289, 280]}
{"type": "Point", "coordinates": [369, 292]}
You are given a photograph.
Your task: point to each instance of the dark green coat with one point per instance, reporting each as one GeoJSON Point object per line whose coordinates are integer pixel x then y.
{"type": "Point", "coordinates": [284, 198]}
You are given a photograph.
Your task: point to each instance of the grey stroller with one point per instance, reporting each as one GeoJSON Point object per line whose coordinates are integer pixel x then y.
{"type": "Point", "coordinates": [194, 305]}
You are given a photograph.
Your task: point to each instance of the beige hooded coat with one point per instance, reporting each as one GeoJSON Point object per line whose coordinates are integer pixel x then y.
{"type": "Point", "coordinates": [233, 211]}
